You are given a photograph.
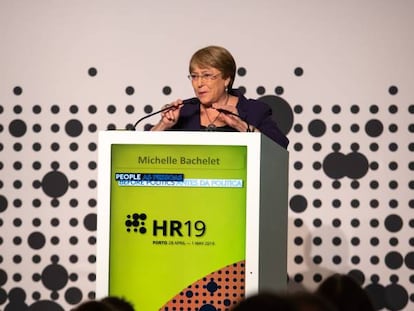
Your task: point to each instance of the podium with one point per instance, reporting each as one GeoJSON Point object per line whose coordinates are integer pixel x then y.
{"type": "Point", "coordinates": [190, 220]}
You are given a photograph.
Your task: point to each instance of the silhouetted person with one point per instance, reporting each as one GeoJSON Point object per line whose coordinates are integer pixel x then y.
{"type": "Point", "coordinates": [110, 303]}
{"type": "Point", "coordinates": [308, 301]}
{"type": "Point", "coordinates": [265, 302]}
{"type": "Point", "coordinates": [93, 306]}
{"type": "Point", "coordinates": [119, 303]}
{"type": "Point", "coordinates": [345, 293]}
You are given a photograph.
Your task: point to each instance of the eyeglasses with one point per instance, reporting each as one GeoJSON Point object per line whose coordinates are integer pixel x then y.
{"type": "Point", "coordinates": [203, 77]}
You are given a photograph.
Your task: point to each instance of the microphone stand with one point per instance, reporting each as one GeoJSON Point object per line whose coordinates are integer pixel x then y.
{"type": "Point", "coordinates": [150, 115]}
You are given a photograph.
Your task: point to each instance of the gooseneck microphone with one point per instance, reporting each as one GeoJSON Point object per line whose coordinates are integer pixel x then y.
{"type": "Point", "coordinates": [184, 102]}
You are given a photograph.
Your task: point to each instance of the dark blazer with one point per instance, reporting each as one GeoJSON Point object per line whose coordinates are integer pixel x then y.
{"type": "Point", "coordinates": [252, 111]}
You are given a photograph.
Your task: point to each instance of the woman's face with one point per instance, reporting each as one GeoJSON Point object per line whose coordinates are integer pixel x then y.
{"type": "Point", "coordinates": [208, 84]}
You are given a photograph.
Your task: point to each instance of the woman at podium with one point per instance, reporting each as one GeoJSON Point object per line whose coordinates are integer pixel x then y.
{"type": "Point", "coordinates": [217, 106]}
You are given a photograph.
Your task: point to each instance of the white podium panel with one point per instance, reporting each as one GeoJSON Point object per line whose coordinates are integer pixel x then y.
{"type": "Point", "coordinates": [190, 219]}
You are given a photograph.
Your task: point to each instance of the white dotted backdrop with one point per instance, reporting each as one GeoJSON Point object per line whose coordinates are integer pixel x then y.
{"type": "Point", "coordinates": [338, 76]}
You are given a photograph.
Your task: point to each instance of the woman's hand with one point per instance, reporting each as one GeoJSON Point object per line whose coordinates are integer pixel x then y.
{"type": "Point", "coordinates": [230, 116]}
{"type": "Point", "coordinates": [170, 116]}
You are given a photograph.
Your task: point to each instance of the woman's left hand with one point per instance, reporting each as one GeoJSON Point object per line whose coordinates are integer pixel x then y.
{"type": "Point", "coordinates": [230, 116]}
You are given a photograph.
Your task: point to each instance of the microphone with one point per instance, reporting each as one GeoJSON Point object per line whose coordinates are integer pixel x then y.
{"type": "Point", "coordinates": [185, 102]}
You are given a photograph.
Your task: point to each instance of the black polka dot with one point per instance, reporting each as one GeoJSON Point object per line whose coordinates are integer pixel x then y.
{"type": "Point", "coordinates": [282, 113]}
{"type": "Point", "coordinates": [393, 223]}
{"type": "Point", "coordinates": [336, 109]}
{"type": "Point", "coordinates": [393, 90]}
{"type": "Point", "coordinates": [355, 241]}
{"type": "Point", "coordinates": [394, 260]}
{"type": "Point", "coordinates": [298, 165]}
{"type": "Point", "coordinates": [73, 128]}
{"type": "Point", "coordinates": [354, 128]}
{"type": "Point", "coordinates": [298, 203]}
{"type": "Point", "coordinates": [111, 109]}
{"type": "Point", "coordinates": [317, 203]}
{"type": "Point", "coordinates": [317, 223]}
{"type": "Point", "coordinates": [396, 297]}
{"type": "Point", "coordinates": [317, 109]}
{"type": "Point", "coordinates": [317, 128]}
{"type": "Point", "coordinates": [317, 147]}
{"type": "Point", "coordinates": [242, 90]}
{"type": "Point", "coordinates": [298, 71]}
{"type": "Point", "coordinates": [55, 109]}
{"type": "Point", "coordinates": [356, 165]}
{"type": "Point", "coordinates": [334, 165]}
{"type": "Point", "coordinates": [90, 222]}
{"type": "Point", "coordinates": [279, 90]}
{"type": "Point", "coordinates": [409, 260]}
{"type": "Point", "coordinates": [336, 128]}
{"type": "Point", "coordinates": [36, 240]}
{"type": "Point", "coordinates": [129, 109]}
{"type": "Point", "coordinates": [374, 241]}
{"type": "Point", "coordinates": [374, 147]}
{"type": "Point", "coordinates": [17, 90]}
{"type": "Point", "coordinates": [336, 223]}
{"type": "Point", "coordinates": [3, 203]}
{"type": "Point", "coordinates": [298, 109]}
{"type": "Point", "coordinates": [17, 109]}
{"type": "Point", "coordinates": [374, 109]}
{"type": "Point", "coordinates": [354, 109]}
{"type": "Point", "coordinates": [92, 128]}
{"type": "Point", "coordinates": [393, 109]}
{"type": "Point", "coordinates": [355, 223]}
{"type": "Point", "coordinates": [298, 146]}
{"type": "Point", "coordinates": [17, 128]}
{"type": "Point", "coordinates": [298, 128]}
{"type": "Point", "coordinates": [374, 184]}
{"type": "Point", "coordinates": [298, 222]}
{"type": "Point", "coordinates": [393, 241]}
{"type": "Point", "coordinates": [166, 90]}
{"type": "Point", "coordinates": [374, 223]}
{"type": "Point", "coordinates": [260, 90]}
{"type": "Point", "coordinates": [73, 295]}
{"type": "Point", "coordinates": [148, 109]}
{"type": "Point", "coordinates": [55, 184]}
{"type": "Point", "coordinates": [393, 128]}
{"type": "Point", "coordinates": [298, 241]}
{"type": "Point", "coordinates": [374, 128]}
{"type": "Point", "coordinates": [241, 71]}
{"type": "Point", "coordinates": [298, 184]}
{"type": "Point", "coordinates": [92, 146]}
{"type": "Point", "coordinates": [92, 109]}
{"type": "Point", "coordinates": [54, 277]}
{"type": "Point", "coordinates": [92, 71]}
{"type": "Point", "coordinates": [73, 146]}
{"type": "Point", "coordinates": [129, 90]}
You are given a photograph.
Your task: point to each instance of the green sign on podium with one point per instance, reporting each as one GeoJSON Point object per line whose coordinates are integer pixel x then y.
{"type": "Point", "coordinates": [174, 211]}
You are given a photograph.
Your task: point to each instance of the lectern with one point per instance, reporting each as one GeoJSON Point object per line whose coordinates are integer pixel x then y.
{"type": "Point", "coordinates": [190, 220]}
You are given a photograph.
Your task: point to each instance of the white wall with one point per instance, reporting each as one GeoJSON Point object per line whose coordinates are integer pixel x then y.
{"type": "Point", "coordinates": [351, 53]}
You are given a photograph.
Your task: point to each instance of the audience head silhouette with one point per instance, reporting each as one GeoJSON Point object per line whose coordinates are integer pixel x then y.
{"type": "Point", "coordinates": [109, 303]}
{"type": "Point", "coordinates": [307, 301]}
{"type": "Point", "coordinates": [265, 302]}
{"type": "Point", "coordinates": [345, 293]}
{"type": "Point", "coordinates": [118, 303]}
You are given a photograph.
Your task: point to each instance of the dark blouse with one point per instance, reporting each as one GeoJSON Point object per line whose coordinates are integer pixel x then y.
{"type": "Point", "coordinates": [252, 111]}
